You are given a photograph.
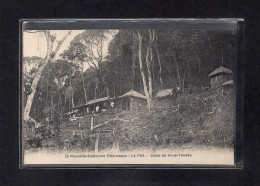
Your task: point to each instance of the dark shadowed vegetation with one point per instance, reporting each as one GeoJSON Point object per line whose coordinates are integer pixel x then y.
{"type": "Point", "coordinates": [146, 61]}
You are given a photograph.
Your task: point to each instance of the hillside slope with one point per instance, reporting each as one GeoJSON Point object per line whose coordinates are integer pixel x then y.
{"type": "Point", "coordinates": [200, 119]}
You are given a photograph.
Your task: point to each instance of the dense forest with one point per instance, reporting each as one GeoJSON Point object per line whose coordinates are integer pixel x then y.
{"type": "Point", "coordinates": [142, 60]}
{"type": "Point", "coordinates": [182, 58]}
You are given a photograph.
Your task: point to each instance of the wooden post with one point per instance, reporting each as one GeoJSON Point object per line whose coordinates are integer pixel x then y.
{"type": "Point", "coordinates": [96, 143]}
{"type": "Point", "coordinates": [82, 135]}
{"type": "Point", "coordinates": [91, 124]}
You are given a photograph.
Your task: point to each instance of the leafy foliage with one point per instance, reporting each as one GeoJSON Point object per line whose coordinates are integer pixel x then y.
{"type": "Point", "coordinates": [181, 58]}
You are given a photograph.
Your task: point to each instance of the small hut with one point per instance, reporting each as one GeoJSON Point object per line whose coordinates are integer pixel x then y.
{"type": "Point", "coordinates": [219, 76]}
{"type": "Point", "coordinates": [228, 86]}
{"type": "Point", "coordinates": [166, 96]}
{"type": "Point", "coordinates": [132, 100]}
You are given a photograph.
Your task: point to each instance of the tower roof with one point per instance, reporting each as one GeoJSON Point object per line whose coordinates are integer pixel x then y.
{"type": "Point", "coordinates": [220, 70]}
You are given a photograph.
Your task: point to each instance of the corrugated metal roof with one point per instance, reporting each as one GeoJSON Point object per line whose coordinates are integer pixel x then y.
{"type": "Point", "coordinates": [97, 100]}
{"type": "Point", "coordinates": [227, 83]}
{"type": "Point", "coordinates": [220, 70]}
{"type": "Point", "coordinates": [92, 102]}
{"type": "Point", "coordinates": [165, 92]}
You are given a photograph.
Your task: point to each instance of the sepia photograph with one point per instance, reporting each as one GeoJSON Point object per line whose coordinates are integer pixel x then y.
{"type": "Point", "coordinates": [128, 96]}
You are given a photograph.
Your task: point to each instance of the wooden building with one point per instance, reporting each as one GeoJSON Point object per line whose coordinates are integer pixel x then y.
{"type": "Point", "coordinates": [131, 100]}
{"type": "Point", "coordinates": [219, 76]}
{"type": "Point", "coordinates": [93, 106]}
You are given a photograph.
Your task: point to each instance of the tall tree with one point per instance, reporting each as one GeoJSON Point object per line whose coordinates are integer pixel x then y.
{"type": "Point", "coordinates": [51, 53]}
{"type": "Point", "coordinates": [147, 86]}
{"type": "Point", "coordinates": [76, 54]}
{"type": "Point", "coordinates": [93, 40]}
{"type": "Point", "coordinates": [159, 60]}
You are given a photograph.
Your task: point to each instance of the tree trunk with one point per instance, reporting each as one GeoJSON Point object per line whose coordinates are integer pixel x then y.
{"type": "Point", "coordinates": [177, 68]}
{"type": "Point", "coordinates": [47, 94]}
{"type": "Point", "coordinates": [188, 64]}
{"type": "Point", "coordinates": [72, 101]}
{"type": "Point", "coordinates": [51, 103]}
{"type": "Point", "coordinates": [36, 79]}
{"type": "Point", "coordinates": [106, 86]}
{"type": "Point", "coordinates": [168, 66]}
{"type": "Point", "coordinates": [61, 106]}
{"type": "Point", "coordinates": [133, 70]}
{"type": "Point", "coordinates": [85, 95]}
{"type": "Point", "coordinates": [152, 65]}
{"type": "Point", "coordinates": [199, 65]}
{"type": "Point", "coordinates": [107, 90]}
{"type": "Point", "coordinates": [183, 82]}
{"type": "Point", "coordinates": [84, 89]}
{"type": "Point", "coordinates": [160, 64]}
{"type": "Point", "coordinates": [52, 107]}
{"type": "Point", "coordinates": [72, 96]}
{"type": "Point", "coordinates": [142, 70]}
{"type": "Point", "coordinates": [30, 98]}
{"type": "Point", "coordinates": [148, 64]}
{"type": "Point", "coordinates": [96, 143]}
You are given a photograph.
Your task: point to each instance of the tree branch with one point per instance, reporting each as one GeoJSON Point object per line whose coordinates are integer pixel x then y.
{"type": "Point", "coordinates": [60, 43]}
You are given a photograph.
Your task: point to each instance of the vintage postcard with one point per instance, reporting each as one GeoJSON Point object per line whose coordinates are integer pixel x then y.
{"type": "Point", "coordinates": [128, 96]}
